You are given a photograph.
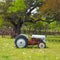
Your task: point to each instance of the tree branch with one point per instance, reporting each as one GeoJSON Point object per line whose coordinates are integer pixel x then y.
{"type": "Point", "coordinates": [13, 22]}
{"type": "Point", "coordinates": [32, 21]}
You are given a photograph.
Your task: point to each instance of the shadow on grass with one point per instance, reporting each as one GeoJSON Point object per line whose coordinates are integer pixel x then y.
{"type": "Point", "coordinates": [32, 47]}
{"type": "Point", "coordinates": [36, 47]}
{"type": "Point", "coordinates": [5, 56]}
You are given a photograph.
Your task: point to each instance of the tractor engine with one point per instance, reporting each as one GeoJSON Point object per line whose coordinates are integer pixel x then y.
{"type": "Point", "coordinates": [42, 37]}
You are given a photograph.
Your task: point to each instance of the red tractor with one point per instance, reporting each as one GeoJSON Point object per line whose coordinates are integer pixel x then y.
{"type": "Point", "coordinates": [22, 41]}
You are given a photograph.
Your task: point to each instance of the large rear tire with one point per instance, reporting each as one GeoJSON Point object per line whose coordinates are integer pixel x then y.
{"type": "Point", "coordinates": [21, 41]}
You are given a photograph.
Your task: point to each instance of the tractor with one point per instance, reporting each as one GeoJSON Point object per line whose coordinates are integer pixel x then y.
{"type": "Point", "coordinates": [22, 41]}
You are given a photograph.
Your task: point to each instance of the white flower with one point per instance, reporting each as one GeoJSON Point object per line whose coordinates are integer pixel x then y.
{"type": "Point", "coordinates": [24, 53]}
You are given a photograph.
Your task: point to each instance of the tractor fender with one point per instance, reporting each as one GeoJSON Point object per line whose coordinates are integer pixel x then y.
{"type": "Point", "coordinates": [22, 35]}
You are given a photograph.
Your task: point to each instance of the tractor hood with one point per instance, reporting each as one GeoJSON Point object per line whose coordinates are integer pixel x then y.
{"type": "Point", "coordinates": [39, 36]}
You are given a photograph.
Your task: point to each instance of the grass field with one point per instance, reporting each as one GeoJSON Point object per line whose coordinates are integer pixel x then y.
{"type": "Point", "coordinates": [9, 52]}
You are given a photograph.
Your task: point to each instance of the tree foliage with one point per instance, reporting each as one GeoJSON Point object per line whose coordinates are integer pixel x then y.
{"type": "Point", "coordinates": [18, 5]}
{"type": "Point", "coordinates": [15, 12]}
{"type": "Point", "coordinates": [52, 8]}
{"type": "Point", "coordinates": [53, 5]}
{"type": "Point", "coordinates": [1, 21]}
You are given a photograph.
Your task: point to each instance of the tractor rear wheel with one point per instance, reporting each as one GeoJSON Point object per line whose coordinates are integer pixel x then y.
{"type": "Point", "coordinates": [21, 41]}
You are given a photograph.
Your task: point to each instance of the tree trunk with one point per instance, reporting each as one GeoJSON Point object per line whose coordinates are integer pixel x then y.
{"type": "Point", "coordinates": [17, 27]}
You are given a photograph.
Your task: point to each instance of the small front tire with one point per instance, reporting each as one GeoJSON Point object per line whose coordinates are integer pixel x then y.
{"type": "Point", "coordinates": [41, 45]}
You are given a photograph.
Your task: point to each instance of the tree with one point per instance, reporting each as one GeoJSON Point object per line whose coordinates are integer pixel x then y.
{"type": "Point", "coordinates": [15, 13]}
{"type": "Point", "coordinates": [11, 15]}
{"type": "Point", "coordinates": [51, 7]}
{"type": "Point", "coordinates": [19, 12]}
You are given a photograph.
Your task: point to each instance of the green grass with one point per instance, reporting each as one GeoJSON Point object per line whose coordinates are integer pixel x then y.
{"type": "Point", "coordinates": [8, 51]}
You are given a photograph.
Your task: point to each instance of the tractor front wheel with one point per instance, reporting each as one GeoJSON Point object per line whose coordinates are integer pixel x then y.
{"type": "Point", "coordinates": [41, 45]}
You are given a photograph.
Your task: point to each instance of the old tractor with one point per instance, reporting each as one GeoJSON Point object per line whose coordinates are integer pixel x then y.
{"type": "Point", "coordinates": [22, 41]}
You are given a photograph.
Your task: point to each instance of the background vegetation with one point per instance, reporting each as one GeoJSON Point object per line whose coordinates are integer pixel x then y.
{"type": "Point", "coordinates": [13, 14]}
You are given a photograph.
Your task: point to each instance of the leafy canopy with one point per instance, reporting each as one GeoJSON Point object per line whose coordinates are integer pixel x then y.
{"type": "Point", "coordinates": [18, 5]}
